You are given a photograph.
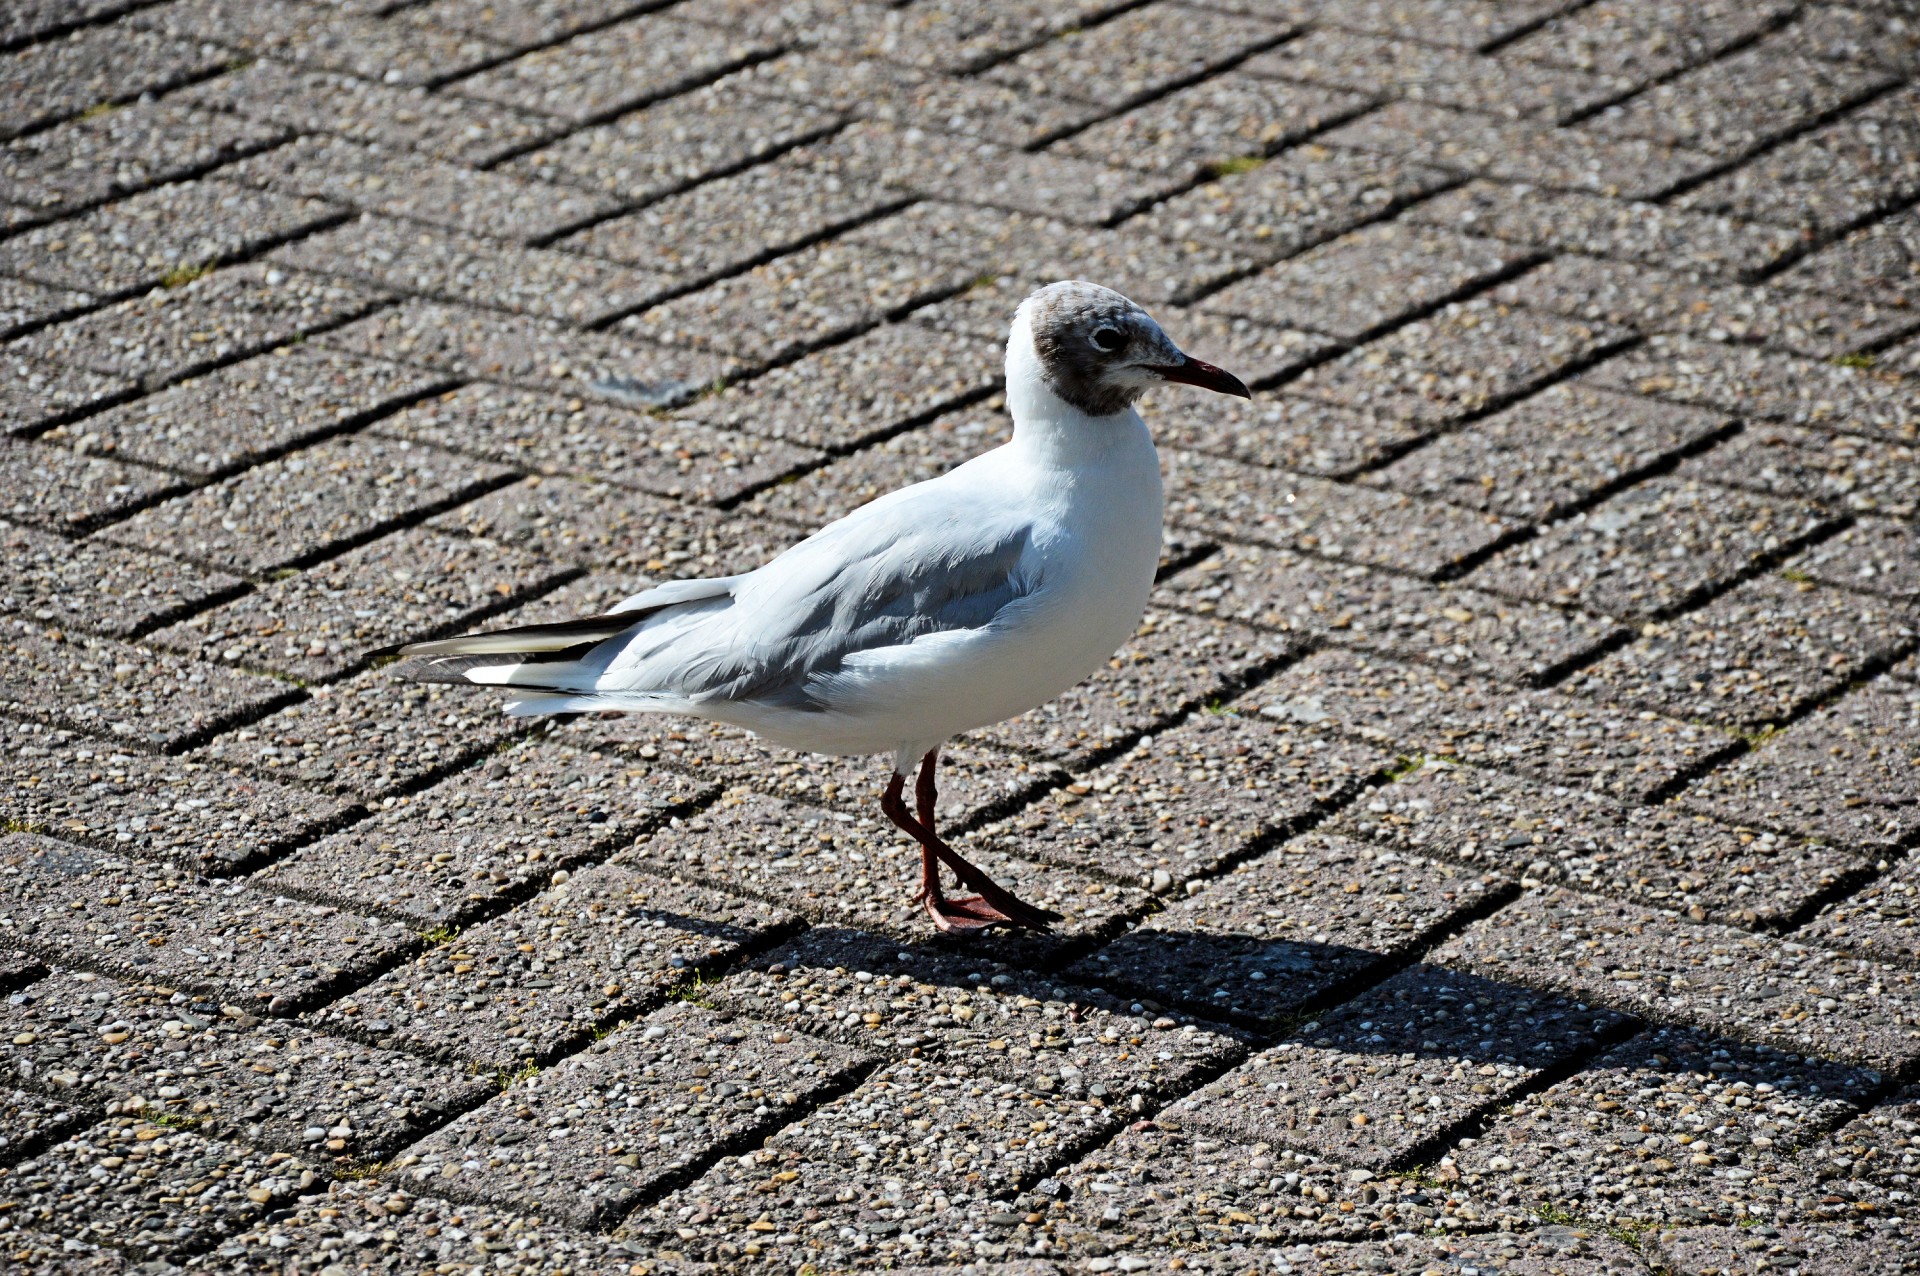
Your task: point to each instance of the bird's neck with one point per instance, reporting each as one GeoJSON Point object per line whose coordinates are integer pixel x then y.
{"type": "Point", "coordinates": [1052, 431]}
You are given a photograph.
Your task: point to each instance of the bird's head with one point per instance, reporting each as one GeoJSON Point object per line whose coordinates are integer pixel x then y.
{"type": "Point", "coordinates": [1099, 351]}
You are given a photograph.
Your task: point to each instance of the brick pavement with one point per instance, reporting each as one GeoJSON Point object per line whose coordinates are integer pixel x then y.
{"type": "Point", "coordinates": [1496, 852]}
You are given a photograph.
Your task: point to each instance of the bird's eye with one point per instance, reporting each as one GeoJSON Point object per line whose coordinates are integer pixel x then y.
{"type": "Point", "coordinates": [1109, 339]}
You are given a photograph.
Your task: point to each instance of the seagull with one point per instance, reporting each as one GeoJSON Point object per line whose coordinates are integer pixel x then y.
{"type": "Point", "coordinates": [933, 610]}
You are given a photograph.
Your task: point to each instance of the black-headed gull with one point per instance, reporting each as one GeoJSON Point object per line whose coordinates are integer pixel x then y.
{"type": "Point", "coordinates": [936, 609]}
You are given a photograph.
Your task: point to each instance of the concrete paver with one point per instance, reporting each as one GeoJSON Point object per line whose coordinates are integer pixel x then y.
{"type": "Point", "coordinates": [1495, 851]}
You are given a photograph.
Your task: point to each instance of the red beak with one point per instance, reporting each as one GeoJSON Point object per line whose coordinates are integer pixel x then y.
{"type": "Point", "coordinates": [1193, 372]}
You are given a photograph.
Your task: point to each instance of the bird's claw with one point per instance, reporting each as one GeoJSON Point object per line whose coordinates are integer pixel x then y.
{"type": "Point", "coordinates": [962, 916]}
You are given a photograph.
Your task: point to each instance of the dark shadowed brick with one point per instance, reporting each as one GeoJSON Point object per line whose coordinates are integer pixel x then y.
{"type": "Point", "coordinates": [1651, 963]}
{"type": "Point", "coordinates": [1291, 928]}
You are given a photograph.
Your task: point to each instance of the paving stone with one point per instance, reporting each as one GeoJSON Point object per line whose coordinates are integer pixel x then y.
{"type": "Point", "coordinates": [1877, 920]}
{"type": "Point", "coordinates": [1752, 382]}
{"type": "Point", "coordinates": [911, 97]}
{"type": "Point", "coordinates": [1878, 263]}
{"type": "Point", "coordinates": [1282, 432]}
{"type": "Point", "coordinates": [879, 994]}
{"type": "Point", "coordinates": [1875, 555]}
{"type": "Point", "coordinates": [1156, 677]}
{"type": "Point", "coordinates": [844, 869]}
{"type": "Point", "coordinates": [534, 982]}
{"type": "Point", "coordinates": [405, 184]}
{"type": "Point", "coordinates": [1738, 104]}
{"type": "Point", "coordinates": [526, 25]}
{"type": "Point", "coordinates": [397, 52]}
{"type": "Point", "coordinates": [216, 425]}
{"type": "Point", "coordinates": [1652, 550]}
{"type": "Point", "coordinates": [170, 233]}
{"type": "Point", "coordinates": [1217, 124]}
{"type": "Point", "coordinates": [1854, 34]}
{"type": "Point", "coordinates": [1743, 1249]}
{"type": "Point", "coordinates": [485, 834]}
{"type": "Point", "coordinates": [64, 490]}
{"type": "Point", "coordinates": [730, 223]}
{"type": "Point", "coordinates": [44, 1251]}
{"type": "Point", "coordinates": [125, 149]}
{"type": "Point", "coordinates": [631, 536]}
{"type": "Point", "coordinates": [1202, 1196]}
{"type": "Point", "coordinates": [1543, 734]}
{"type": "Point", "coordinates": [852, 394]}
{"type": "Point", "coordinates": [1866, 1169]}
{"type": "Point", "coordinates": [1393, 1071]}
{"type": "Point", "coordinates": [1137, 55]}
{"type": "Point", "coordinates": [1186, 803]}
{"type": "Point", "coordinates": [1290, 929]}
{"type": "Point", "coordinates": [1647, 962]}
{"type": "Point", "coordinates": [1447, 625]}
{"type": "Point", "coordinates": [1650, 300]}
{"type": "Point", "coordinates": [25, 304]}
{"type": "Point", "coordinates": [1755, 655]}
{"type": "Point", "coordinates": [41, 19]}
{"type": "Point", "coordinates": [308, 504]}
{"type": "Point", "coordinates": [1572, 222]}
{"type": "Point", "coordinates": [36, 392]}
{"type": "Point", "coordinates": [408, 257]}
{"type": "Point", "coordinates": [1826, 180]}
{"type": "Point", "coordinates": [1522, 151]}
{"type": "Point", "coordinates": [867, 1158]}
{"type": "Point", "coordinates": [319, 623]}
{"type": "Point", "coordinates": [967, 170]}
{"type": "Point", "coordinates": [1844, 773]}
{"type": "Point", "coordinates": [93, 67]}
{"type": "Point", "coordinates": [1467, 357]}
{"type": "Point", "coordinates": [945, 35]}
{"type": "Point", "coordinates": [1554, 1249]}
{"type": "Point", "coordinates": [1363, 281]}
{"type": "Point", "coordinates": [149, 1190]}
{"type": "Point", "coordinates": [1867, 476]}
{"type": "Point", "coordinates": [99, 588]}
{"type": "Point", "coordinates": [554, 435]}
{"type": "Point", "coordinates": [300, 100]}
{"type": "Point", "coordinates": [174, 333]}
{"type": "Point", "coordinates": [150, 1050]}
{"type": "Point", "coordinates": [1548, 455]}
{"type": "Point", "coordinates": [247, 946]}
{"type": "Point", "coordinates": [604, 72]}
{"type": "Point", "coordinates": [1145, 268]}
{"type": "Point", "coordinates": [35, 1120]}
{"type": "Point", "coordinates": [1641, 41]}
{"type": "Point", "coordinates": [1231, 499]}
{"type": "Point", "coordinates": [794, 303]}
{"type": "Point", "coordinates": [1545, 831]}
{"type": "Point", "coordinates": [1474, 25]}
{"type": "Point", "coordinates": [1422, 72]}
{"type": "Point", "coordinates": [379, 1223]}
{"type": "Point", "coordinates": [591, 1137]}
{"type": "Point", "coordinates": [530, 351]}
{"type": "Point", "coordinates": [974, 780]}
{"type": "Point", "coordinates": [370, 736]}
{"type": "Point", "coordinates": [141, 698]}
{"type": "Point", "coordinates": [177, 809]}
{"type": "Point", "coordinates": [1675, 1125]}
{"type": "Point", "coordinates": [710, 130]}
{"type": "Point", "coordinates": [1293, 201]}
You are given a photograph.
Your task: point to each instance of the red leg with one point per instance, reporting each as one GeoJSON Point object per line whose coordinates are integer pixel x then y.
{"type": "Point", "coordinates": [992, 905]}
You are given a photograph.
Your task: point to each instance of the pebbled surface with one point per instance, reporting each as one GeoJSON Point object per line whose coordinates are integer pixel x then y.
{"type": "Point", "coordinates": [1495, 852]}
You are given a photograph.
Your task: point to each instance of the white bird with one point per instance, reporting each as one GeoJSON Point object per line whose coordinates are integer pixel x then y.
{"type": "Point", "coordinates": [942, 607]}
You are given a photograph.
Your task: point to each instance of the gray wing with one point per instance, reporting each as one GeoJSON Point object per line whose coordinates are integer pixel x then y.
{"type": "Point", "coordinates": [916, 563]}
